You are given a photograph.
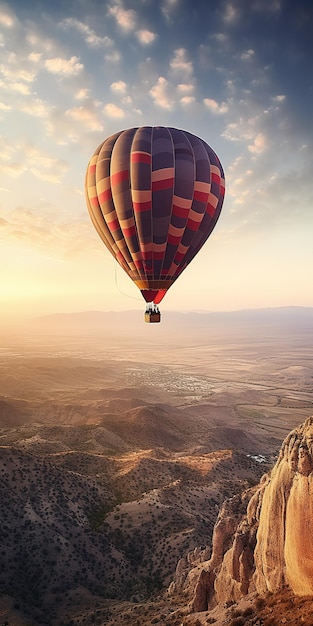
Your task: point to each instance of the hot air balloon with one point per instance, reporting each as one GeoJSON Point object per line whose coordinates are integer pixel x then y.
{"type": "Point", "coordinates": [154, 195]}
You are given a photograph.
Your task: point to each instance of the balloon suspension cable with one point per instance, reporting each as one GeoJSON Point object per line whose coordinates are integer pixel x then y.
{"type": "Point", "coordinates": [118, 288]}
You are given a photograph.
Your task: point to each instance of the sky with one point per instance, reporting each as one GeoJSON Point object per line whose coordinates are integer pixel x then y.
{"type": "Point", "coordinates": [237, 73]}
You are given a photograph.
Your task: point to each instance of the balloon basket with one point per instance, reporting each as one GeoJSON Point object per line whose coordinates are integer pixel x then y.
{"type": "Point", "coordinates": [152, 314]}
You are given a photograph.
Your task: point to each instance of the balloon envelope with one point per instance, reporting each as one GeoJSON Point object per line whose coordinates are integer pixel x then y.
{"type": "Point", "coordinates": [154, 195]}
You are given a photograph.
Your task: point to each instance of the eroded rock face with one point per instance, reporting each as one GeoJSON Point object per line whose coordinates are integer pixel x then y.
{"type": "Point", "coordinates": [262, 540]}
{"type": "Point", "coordinates": [284, 548]}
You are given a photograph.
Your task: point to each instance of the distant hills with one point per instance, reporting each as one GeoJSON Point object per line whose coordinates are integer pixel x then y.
{"type": "Point", "coordinates": [283, 319]}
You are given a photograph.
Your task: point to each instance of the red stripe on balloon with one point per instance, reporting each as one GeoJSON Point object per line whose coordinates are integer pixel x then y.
{"type": "Point", "coordinates": [119, 177]}
{"type": "Point", "coordinates": [140, 157]}
{"type": "Point", "coordinates": [192, 225]}
{"type": "Point", "coordinates": [175, 241]}
{"type": "Point", "coordinates": [129, 232]}
{"type": "Point", "coordinates": [114, 225]}
{"type": "Point", "coordinates": [141, 207]}
{"type": "Point", "coordinates": [179, 257]}
{"type": "Point", "coordinates": [201, 196]}
{"type": "Point", "coordinates": [215, 178]}
{"type": "Point", "coordinates": [180, 211]}
{"type": "Point", "coordinates": [94, 201]}
{"type": "Point", "coordinates": [210, 209]}
{"type": "Point", "coordinates": [105, 195]}
{"type": "Point", "coordinates": [158, 185]}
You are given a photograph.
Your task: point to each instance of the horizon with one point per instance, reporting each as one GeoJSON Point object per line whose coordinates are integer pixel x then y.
{"type": "Point", "coordinates": [134, 318]}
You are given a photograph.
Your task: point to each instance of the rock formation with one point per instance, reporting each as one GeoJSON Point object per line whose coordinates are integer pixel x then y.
{"type": "Point", "coordinates": [263, 539]}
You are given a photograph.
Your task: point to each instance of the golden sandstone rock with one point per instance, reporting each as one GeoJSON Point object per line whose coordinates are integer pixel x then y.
{"type": "Point", "coordinates": [263, 540]}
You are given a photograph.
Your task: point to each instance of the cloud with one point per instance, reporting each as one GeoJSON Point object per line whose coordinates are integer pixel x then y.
{"type": "Point", "coordinates": [280, 98]}
{"type": "Point", "coordinates": [248, 54]}
{"type": "Point", "coordinates": [168, 7]}
{"type": "Point", "coordinates": [125, 18]}
{"type": "Point", "coordinates": [161, 94]}
{"type": "Point", "coordinates": [230, 13]}
{"type": "Point", "coordinates": [92, 39]}
{"type": "Point", "coordinates": [5, 107]}
{"type": "Point", "coordinates": [35, 107]}
{"type": "Point", "coordinates": [113, 57]}
{"type": "Point", "coordinates": [82, 94]}
{"type": "Point", "coordinates": [46, 229]}
{"type": "Point", "coordinates": [29, 158]}
{"type": "Point", "coordinates": [185, 87]}
{"type": "Point", "coordinates": [186, 100]}
{"type": "Point", "coordinates": [7, 17]}
{"type": "Point", "coordinates": [179, 63]}
{"type": "Point", "coordinates": [111, 110]}
{"type": "Point", "coordinates": [15, 72]}
{"type": "Point", "coordinates": [34, 57]}
{"type": "Point", "coordinates": [259, 144]}
{"type": "Point", "coordinates": [146, 37]}
{"type": "Point", "coordinates": [234, 11]}
{"type": "Point", "coordinates": [41, 42]}
{"type": "Point", "coordinates": [119, 86]}
{"type": "Point", "coordinates": [215, 107]}
{"type": "Point", "coordinates": [15, 87]}
{"type": "Point", "coordinates": [64, 67]}
{"type": "Point", "coordinates": [85, 116]}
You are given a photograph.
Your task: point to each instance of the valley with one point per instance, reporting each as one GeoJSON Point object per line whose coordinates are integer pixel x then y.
{"type": "Point", "coordinates": [116, 456]}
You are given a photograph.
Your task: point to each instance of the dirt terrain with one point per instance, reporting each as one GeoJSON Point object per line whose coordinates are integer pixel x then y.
{"type": "Point", "coordinates": [117, 453]}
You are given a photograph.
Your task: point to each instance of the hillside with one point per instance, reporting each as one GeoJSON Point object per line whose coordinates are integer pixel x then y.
{"type": "Point", "coordinates": [113, 527]}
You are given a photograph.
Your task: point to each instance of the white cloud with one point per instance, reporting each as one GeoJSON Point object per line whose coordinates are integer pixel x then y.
{"type": "Point", "coordinates": [4, 107]}
{"type": "Point", "coordinates": [230, 13]}
{"type": "Point", "coordinates": [111, 110]}
{"type": "Point", "coordinates": [185, 87]}
{"type": "Point", "coordinates": [180, 63]}
{"type": "Point", "coordinates": [34, 57]}
{"type": "Point", "coordinates": [280, 98]}
{"type": "Point", "coordinates": [186, 100]}
{"type": "Point", "coordinates": [64, 67]}
{"type": "Point", "coordinates": [161, 94]}
{"type": "Point", "coordinates": [259, 144]}
{"type": "Point", "coordinates": [248, 54]}
{"type": "Point", "coordinates": [35, 107]}
{"type": "Point", "coordinates": [125, 18]}
{"type": "Point", "coordinates": [113, 57]}
{"type": "Point", "coordinates": [118, 86]}
{"type": "Point", "coordinates": [15, 87]}
{"type": "Point", "coordinates": [44, 43]}
{"type": "Point", "coordinates": [146, 37]}
{"type": "Point", "coordinates": [86, 116]}
{"type": "Point", "coordinates": [44, 166]}
{"type": "Point", "coordinates": [215, 107]}
{"type": "Point", "coordinates": [82, 94]}
{"type": "Point", "coordinates": [15, 72]}
{"type": "Point", "coordinates": [92, 39]}
{"type": "Point", "coordinates": [23, 158]}
{"type": "Point", "coordinates": [168, 6]}
{"type": "Point", "coordinates": [6, 149]}
{"type": "Point", "coordinates": [7, 17]}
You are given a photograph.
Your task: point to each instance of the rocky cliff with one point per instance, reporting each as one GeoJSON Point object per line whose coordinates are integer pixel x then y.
{"type": "Point", "coordinates": [263, 539]}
